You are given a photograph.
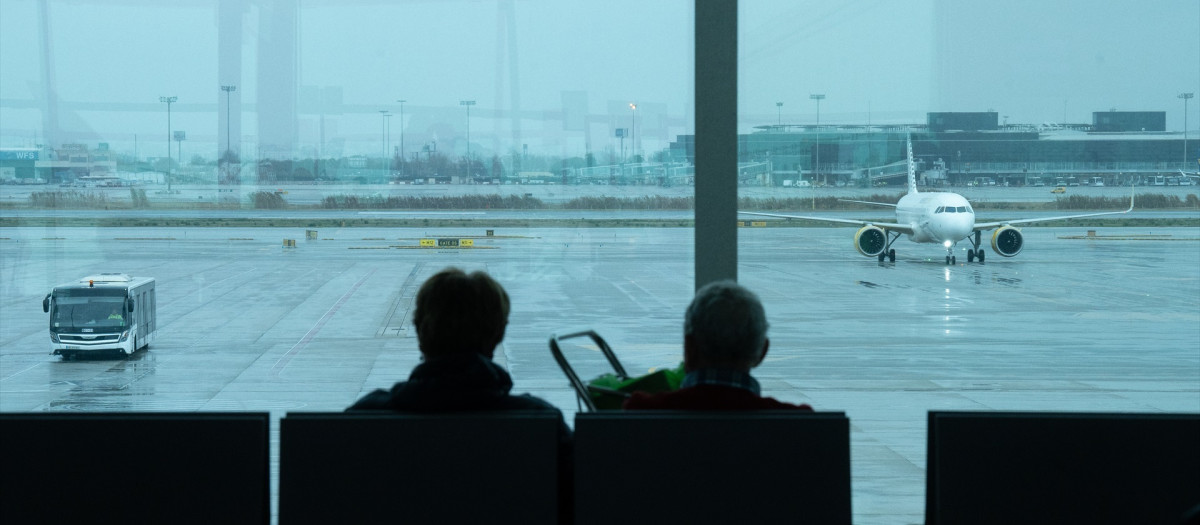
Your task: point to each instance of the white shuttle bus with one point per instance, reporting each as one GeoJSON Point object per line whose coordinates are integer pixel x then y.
{"type": "Point", "coordinates": [105, 312]}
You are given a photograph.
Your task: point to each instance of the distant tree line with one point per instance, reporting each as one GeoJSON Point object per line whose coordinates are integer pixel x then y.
{"type": "Point", "coordinates": [1150, 201]}
{"type": "Point", "coordinates": [458, 202]}
{"type": "Point", "coordinates": [68, 199]}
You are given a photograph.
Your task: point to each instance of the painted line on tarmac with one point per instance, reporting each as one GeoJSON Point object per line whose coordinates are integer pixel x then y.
{"type": "Point", "coordinates": [312, 332]}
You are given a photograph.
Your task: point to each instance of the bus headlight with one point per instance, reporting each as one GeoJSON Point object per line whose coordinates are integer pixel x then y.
{"type": "Point", "coordinates": [54, 338]}
{"type": "Point", "coordinates": [124, 336]}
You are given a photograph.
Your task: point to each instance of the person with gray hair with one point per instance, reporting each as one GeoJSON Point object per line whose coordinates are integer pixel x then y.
{"type": "Point", "coordinates": [724, 336]}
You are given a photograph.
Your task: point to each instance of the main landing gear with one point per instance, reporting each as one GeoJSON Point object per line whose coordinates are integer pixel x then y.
{"type": "Point", "coordinates": [975, 252]}
{"type": "Point", "coordinates": [888, 252]}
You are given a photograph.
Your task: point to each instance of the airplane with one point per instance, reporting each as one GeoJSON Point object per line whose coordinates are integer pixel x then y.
{"type": "Point", "coordinates": [935, 217]}
{"type": "Point", "coordinates": [1189, 176]}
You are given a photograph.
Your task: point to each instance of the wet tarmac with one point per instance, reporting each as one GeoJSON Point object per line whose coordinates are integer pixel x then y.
{"type": "Point", "coordinates": [1110, 323]}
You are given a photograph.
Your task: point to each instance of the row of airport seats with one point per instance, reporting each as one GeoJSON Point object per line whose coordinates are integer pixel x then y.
{"type": "Point", "coordinates": [647, 467]}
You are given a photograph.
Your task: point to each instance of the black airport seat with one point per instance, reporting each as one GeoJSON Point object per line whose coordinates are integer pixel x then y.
{"type": "Point", "coordinates": [363, 468]}
{"type": "Point", "coordinates": [712, 467]}
{"type": "Point", "coordinates": [155, 467]}
{"type": "Point", "coordinates": [1054, 468]}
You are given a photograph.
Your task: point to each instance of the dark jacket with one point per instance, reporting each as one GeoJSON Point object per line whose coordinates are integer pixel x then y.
{"type": "Point", "coordinates": [454, 383]}
{"type": "Point", "coordinates": [472, 383]}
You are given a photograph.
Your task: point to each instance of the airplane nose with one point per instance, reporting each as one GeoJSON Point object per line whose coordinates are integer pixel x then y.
{"type": "Point", "coordinates": [957, 228]}
{"type": "Point", "coordinates": [966, 224]}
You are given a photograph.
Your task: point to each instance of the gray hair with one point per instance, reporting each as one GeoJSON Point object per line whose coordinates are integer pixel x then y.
{"type": "Point", "coordinates": [728, 323]}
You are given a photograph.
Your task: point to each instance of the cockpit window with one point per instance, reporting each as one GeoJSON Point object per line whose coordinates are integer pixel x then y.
{"type": "Point", "coordinates": [951, 209]}
{"type": "Point", "coordinates": [940, 209]}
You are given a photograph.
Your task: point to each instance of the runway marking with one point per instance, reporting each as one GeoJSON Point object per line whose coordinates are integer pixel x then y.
{"type": "Point", "coordinates": [1131, 237]}
{"type": "Point", "coordinates": [312, 332]}
{"type": "Point", "coordinates": [31, 367]}
{"type": "Point", "coordinates": [406, 295]}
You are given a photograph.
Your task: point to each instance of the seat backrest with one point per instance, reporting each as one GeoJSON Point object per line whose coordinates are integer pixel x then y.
{"type": "Point", "coordinates": [1054, 467]}
{"type": "Point", "coordinates": [712, 467]}
{"type": "Point", "coordinates": [494, 467]}
{"type": "Point", "coordinates": [189, 467]}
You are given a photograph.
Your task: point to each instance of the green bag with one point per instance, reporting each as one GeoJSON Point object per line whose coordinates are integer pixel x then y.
{"type": "Point", "coordinates": [609, 391]}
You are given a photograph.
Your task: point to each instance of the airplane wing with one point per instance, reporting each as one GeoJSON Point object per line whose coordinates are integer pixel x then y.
{"type": "Point", "coordinates": [869, 202]}
{"type": "Point", "coordinates": [888, 226]}
{"type": "Point", "coordinates": [989, 225]}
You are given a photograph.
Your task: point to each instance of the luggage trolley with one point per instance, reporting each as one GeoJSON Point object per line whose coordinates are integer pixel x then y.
{"type": "Point", "coordinates": [597, 397]}
{"type": "Point", "coordinates": [584, 391]}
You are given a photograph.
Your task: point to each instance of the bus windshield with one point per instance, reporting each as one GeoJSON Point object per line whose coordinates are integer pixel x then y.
{"type": "Point", "coordinates": [98, 313]}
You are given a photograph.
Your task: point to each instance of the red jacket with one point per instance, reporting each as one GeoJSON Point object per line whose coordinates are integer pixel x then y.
{"type": "Point", "coordinates": [708, 397]}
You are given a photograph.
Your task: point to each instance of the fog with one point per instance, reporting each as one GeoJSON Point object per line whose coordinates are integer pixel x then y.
{"type": "Point", "coordinates": [552, 77]}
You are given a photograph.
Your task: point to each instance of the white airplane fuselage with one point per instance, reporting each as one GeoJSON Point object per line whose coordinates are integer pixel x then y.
{"type": "Point", "coordinates": [936, 217]}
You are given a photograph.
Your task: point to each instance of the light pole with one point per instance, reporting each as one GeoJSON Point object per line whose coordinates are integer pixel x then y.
{"type": "Point", "coordinates": [468, 104]}
{"type": "Point", "coordinates": [383, 133]}
{"type": "Point", "coordinates": [169, 101]}
{"type": "Point", "coordinates": [228, 90]}
{"type": "Point", "coordinates": [632, 131]}
{"type": "Point", "coordinates": [180, 136]}
{"type": "Point", "coordinates": [779, 113]}
{"type": "Point", "coordinates": [1185, 97]}
{"type": "Point", "coordinates": [387, 118]}
{"type": "Point", "coordinates": [817, 164]}
{"type": "Point", "coordinates": [401, 127]}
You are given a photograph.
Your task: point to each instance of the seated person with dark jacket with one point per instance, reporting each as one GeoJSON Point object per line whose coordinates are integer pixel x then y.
{"type": "Point", "coordinates": [460, 319]}
{"type": "Point", "coordinates": [724, 336]}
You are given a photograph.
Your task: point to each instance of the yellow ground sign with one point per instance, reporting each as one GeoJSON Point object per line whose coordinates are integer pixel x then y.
{"type": "Point", "coordinates": [466, 242]}
{"type": "Point", "coordinates": [428, 242]}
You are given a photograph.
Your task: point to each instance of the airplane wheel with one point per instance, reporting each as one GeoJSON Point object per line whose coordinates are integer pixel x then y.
{"type": "Point", "coordinates": [970, 255]}
{"type": "Point", "coordinates": [979, 255]}
{"type": "Point", "coordinates": [892, 255]}
{"type": "Point", "coordinates": [953, 260]}
{"type": "Point", "coordinates": [947, 260]}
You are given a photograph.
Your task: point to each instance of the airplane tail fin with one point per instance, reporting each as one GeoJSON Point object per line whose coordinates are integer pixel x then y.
{"type": "Point", "coordinates": [912, 168]}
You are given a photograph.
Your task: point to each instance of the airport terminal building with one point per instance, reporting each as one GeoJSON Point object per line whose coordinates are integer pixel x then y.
{"type": "Point", "coordinates": [959, 149]}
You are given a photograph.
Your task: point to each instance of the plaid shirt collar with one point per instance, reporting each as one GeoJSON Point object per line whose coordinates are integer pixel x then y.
{"type": "Point", "coordinates": [714, 376]}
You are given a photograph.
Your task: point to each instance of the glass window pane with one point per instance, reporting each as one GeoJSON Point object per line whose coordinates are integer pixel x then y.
{"type": "Point", "coordinates": [291, 172]}
{"type": "Point", "coordinates": [1000, 100]}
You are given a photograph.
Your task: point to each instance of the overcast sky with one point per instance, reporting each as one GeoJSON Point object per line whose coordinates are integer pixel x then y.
{"type": "Point", "coordinates": [879, 60]}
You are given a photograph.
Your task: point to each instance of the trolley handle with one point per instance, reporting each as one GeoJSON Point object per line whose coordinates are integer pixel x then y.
{"type": "Point", "coordinates": [581, 388]}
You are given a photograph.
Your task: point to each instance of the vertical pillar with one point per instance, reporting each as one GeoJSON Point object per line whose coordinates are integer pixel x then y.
{"type": "Point", "coordinates": [716, 140]}
{"type": "Point", "coordinates": [277, 89]}
{"type": "Point", "coordinates": [229, 73]}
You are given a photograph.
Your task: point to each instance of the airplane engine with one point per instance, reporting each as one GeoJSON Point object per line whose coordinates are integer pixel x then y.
{"type": "Point", "coordinates": [870, 240]}
{"type": "Point", "coordinates": [1007, 241]}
